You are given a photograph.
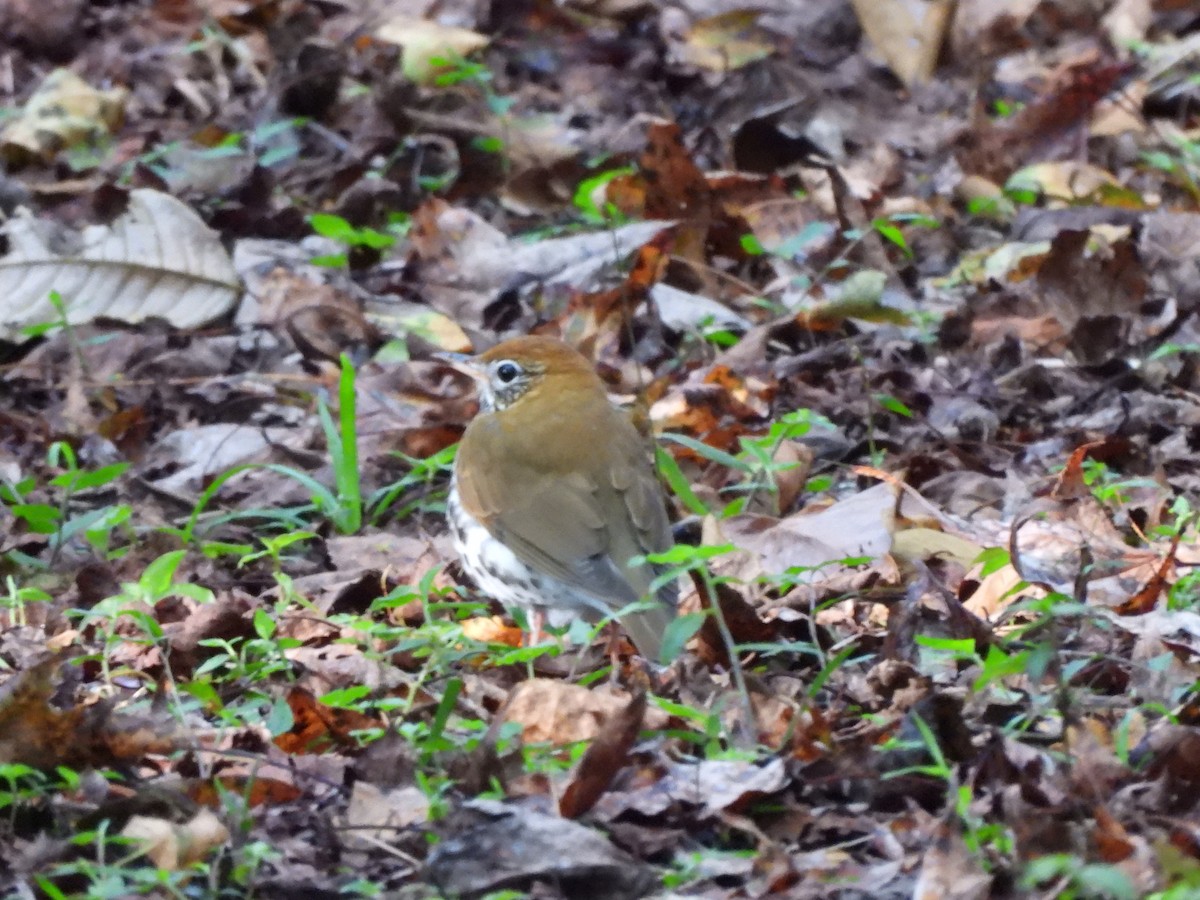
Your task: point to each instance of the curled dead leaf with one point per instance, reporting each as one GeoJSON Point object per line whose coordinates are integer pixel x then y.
{"type": "Point", "coordinates": [604, 759]}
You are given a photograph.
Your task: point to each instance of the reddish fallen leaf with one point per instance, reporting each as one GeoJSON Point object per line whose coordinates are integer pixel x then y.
{"type": "Point", "coordinates": [491, 630]}
{"type": "Point", "coordinates": [676, 188]}
{"type": "Point", "coordinates": [1111, 838]}
{"type": "Point", "coordinates": [1185, 838]}
{"type": "Point", "coordinates": [128, 428]}
{"type": "Point", "coordinates": [318, 727]}
{"type": "Point", "coordinates": [1146, 599]}
{"type": "Point", "coordinates": [254, 790]}
{"type": "Point", "coordinates": [741, 618]}
{"type": "Point", "coordinates": [1057, 116]}
{"type": "Point", "coordinates": [812, 737]}
{"type": "Point", "coordinates": [647, 269]}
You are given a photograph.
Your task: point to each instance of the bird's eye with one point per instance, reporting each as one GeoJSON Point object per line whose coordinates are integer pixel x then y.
{"type": "Point", "coordinates": [507, 372]}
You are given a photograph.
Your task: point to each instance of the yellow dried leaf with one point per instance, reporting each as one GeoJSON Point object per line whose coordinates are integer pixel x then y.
{"type": "Point", "coordinates": [726, 42]}
{"type": "Point", "coordinates": [425, 43]}
{"type": "Point", "coordinates": [63, 112]}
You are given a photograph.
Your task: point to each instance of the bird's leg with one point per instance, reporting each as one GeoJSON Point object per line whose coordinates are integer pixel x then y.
{"type": "Point", "coordinates": [537, 626]}
{"type": "Point", "coordinates": [612, 650]}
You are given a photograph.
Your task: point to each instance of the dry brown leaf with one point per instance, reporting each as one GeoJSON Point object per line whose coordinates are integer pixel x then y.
{"type": "Point", "coordinates": [34, 732]}
{"type": "Point", "coordinates": [496, 845]}
{"type": "Point", "coordinates": [254, 790]}
{"type": "Point", "coordinates": [949, 871]}
{"type": "Point", "coordinates": [1111, 839]}
{"type": "Point", "coordinates": [676, 189]}
{"type": "Point", "coordinates": [1062, 111]}
{"type": "Point", "coordinates": [859, 526]}
{"type": "Point", "coordinates": [605, 757]}
{"type": "Point", "coordinates": [715, 786]}
{"type": "Point", "coordinates": [492, 630]}
{"type": "Point", "coordinates": [172, 846]}
{"type": "Point", "coordinates": [317, 727]}
{"type": "Point", "coordinates": [467, 261]}
{"type": "Point", "coordinates": [559, 713]}
{"type": "Point", "coordinates": [375, 815]}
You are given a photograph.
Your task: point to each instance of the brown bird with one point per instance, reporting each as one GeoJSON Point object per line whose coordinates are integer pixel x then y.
{"type": "Point", "coordinates": [554, 494]}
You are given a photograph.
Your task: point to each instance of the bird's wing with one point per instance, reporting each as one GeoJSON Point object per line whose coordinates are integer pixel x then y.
{"type": "Point", "coordinates": [636, 489]}
{"type": "Point", "coordinates": [559, 527]}
{"type": "Point", "coordinates": [552, 522]}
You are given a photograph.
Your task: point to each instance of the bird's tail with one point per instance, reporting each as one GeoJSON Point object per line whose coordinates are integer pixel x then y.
{"type": "Point", "coordinates": [648, 625]}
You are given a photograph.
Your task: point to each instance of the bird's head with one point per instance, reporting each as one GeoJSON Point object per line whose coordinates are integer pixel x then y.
{"type": "Point", "coordinates": [526, 371]}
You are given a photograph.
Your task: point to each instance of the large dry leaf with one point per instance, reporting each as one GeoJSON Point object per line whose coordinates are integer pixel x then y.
{"type": "Point", "coordinates": [684, 310]}
{"type": "Point", "coordinates": [158, 259]}
{"type": "Point", "coordinates": [466, 261]}
{"type": "Point", "coordinates": [607, 755]}
{"type": "Point", "coordinates": [197, 453]}
{"type": "Point", "coordinates": [375, 814]}
{"type": "Point", "coordinates": [859, 526]}
{"type": "Point", "coordinates": [563, 713]}
{"type": "Point", "coordinates": [712, 785]}
{"type": "Point", "coordinates": [35, 731]}
{"type": "Point", "coordinates": [492, 845]}
{"type": "Point", "coordinates": [949, 870]}
{"type": "Point", "coordinates": [468, 249]}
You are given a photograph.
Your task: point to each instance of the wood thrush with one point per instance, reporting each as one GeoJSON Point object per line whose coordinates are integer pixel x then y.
{"type": "Point", "coordinates": [554, 493]}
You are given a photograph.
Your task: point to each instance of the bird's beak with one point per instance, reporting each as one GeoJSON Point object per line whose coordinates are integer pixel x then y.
{"type": "Point", "coordinates": [465, 363]}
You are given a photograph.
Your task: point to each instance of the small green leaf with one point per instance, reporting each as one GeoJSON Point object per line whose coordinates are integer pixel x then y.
{"type": "Point", "coordinates": [887, 401]}
{"type": "Point", "coordinates": [330, 226]}
{"type": "Point", "coordinates": [204, 692]}
{"type": "Point", "coordinates": [347, 697]}
{"type": "Point", "coordinates": [681, 630]}
{"type": "Point", "coordinates": [158, 576]}
{"type": "Point", "coordinates": [998, 664]}
{"type": "Point", "coordinates": [264, 624]}
{"type": "Point", "coordinates": [40, 518]}
{"type": "Point", "coordinates": [963, 648]}
{"type": "Point", "coordinates": [584, 198]}
{"type": "Point", "coordinates": [752, 246]}
{"type": "Point", "coordinates": [708, 452]}
{"type": "Point", "coordinates": [445, 707]}
{"type": "Point", "coordinates": [279, 718]}
{"type": "Point", "coordinates": [488, 144]}
{"type": "Point", "coordinates": [678, 482]}
{"type": "Point", "coordinates": [84, 480]}
{"type": "Point", "coordinates": [992, 559]}
{"type": "Point", "coordinates": [893, 234]}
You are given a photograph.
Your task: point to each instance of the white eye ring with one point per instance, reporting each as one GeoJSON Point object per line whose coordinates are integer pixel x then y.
{"type": "Point", "coordinates": [507, 372]}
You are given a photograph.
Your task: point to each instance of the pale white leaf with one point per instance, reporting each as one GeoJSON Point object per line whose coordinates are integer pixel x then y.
{"type": "Point", "coordinates": [157, 259]}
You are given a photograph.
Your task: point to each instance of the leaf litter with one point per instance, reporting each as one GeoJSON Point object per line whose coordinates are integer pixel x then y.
{"type": "Point", "coordinates": [910, 298]}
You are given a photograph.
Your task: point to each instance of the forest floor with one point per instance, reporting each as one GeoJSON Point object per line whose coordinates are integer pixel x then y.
{"type": "Point", "coordinates": [910, 303]}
